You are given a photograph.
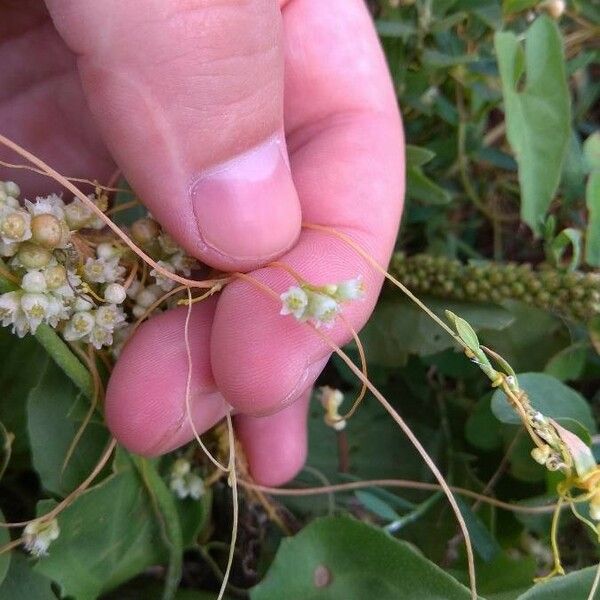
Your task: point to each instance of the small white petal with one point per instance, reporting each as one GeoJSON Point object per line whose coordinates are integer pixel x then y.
{"type": "Point", "coordinates": [294, 302]}
{"type": "Point", "coordinates": [115, 293]}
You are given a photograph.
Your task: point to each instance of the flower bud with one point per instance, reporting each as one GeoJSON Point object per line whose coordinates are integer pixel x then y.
{"type": "Point", "coordinates": [12, 189]}
{"type": "Point", "coordinates": [15, 226]}
{"type": "Point", "coordinates": [33, 256]}
{"type": "Point", "coordinates": [115, 293]}
{"type": "Point", "coordinates": [47, 231]}
{"type": "Point", "coordinates": [77, 214]}
{"type": "Point", "coordinates": [107, 251]}
{"type": "Point", "coordinates": [56, 276]}
{"type": "Point", "coordinates": [38, 536]}
{"type": "Point", "coordinates": [34, 282]}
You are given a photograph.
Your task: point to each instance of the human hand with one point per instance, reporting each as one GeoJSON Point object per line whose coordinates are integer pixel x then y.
{"type": "Point", "coordinates": [230, 151]}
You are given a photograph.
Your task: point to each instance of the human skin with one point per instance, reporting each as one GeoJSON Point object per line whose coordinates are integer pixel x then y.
{"type": "Point", "coordinates": [235, 121]}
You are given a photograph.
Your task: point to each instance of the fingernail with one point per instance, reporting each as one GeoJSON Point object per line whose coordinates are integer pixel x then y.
{"type": "Point", "coordinates": [247, 208]}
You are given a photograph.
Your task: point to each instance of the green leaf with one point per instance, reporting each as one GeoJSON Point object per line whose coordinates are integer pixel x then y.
{"type": "Point", "coordinates": [513, 6]}
{"type": "Point", "coordinates": [591, 151]}
{"type": "Point", "coordinates": [548, 395]}
{"type": "Point", "coordinates": [399, 326]}
{"type": "Point", "coordinates": [376, 505]}
{"type": "Point", "coordinates": [109, 535]}
{"type": "Point", "coordinates": [53, 409]}
{"type": "Point", "coordinates": [23, 583]}
{"type": "Point", "coordinates": [568, 364]}
{"type": "Point", "coordinates": [483, 541]}
{"type": "Point", "coordinates": [16, 381]}
{"type": "Point", "coordinates": [417, 156]}
{"type": "Point", "coordinates": [420, 187]}
{"type": "Point", "coordinates": [557, 247]}
{"type": "Point", "coordinates": [505, 574]}
{"type": "Point", "coordinates": [592, 235]}
{"type": "Point", "coordinates": [163, 504]}
{"type": "Point", "coordinates": [537, 116]}
{"type": "Point", "coordinates": [338, 557]}
{"type": "Point", "coordinates": [574, 586]}
{"type": "Point", "coordinates": [465, 332]}
{"type": "Point", "coordinates": [482, 429]}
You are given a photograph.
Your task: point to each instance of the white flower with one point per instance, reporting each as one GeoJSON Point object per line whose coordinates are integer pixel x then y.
{"type": "Point", "coordinates": [321, 309]}
{"type": "Point", "coordinates": [167, 243]}
{"type": "Point", "coordinates": [163, 282]}
{"type": "Point", "coordinates": [39, 535]}
{"type": "Point", "coordinates": [179, 486]}
{"type": "Point", "coordinates": [34, 282]}
{"type": "Point", "coordinates": [15, 225]}
{"type": "Point", "coordinates": [195, 486]}
{"type": "Point", "coordinates": [294, 302]}
{"type": "Point", "coordinates": [109, 316]}
{"type": "Point", "coordinates": [102, 270]}
{"type": "Point", "coordinates": [10, 304]}
{"type": "Point", "coordinates": [35, 307]}
{"type": "Point", "coordinates": [47, 205]}
{"type": "Point", "coordinates": [351, 289]}
{"type": "Point", "coordinates": [57, 310]}
{"type": "Point", "coordinates": [83, 304]}
{"type": "Point", "coordinates": [100, 337]}
{"type": "Point", "coordinates": [8, 249]}
{"type": "Point", "coordinates": [79, 326]}
{"type": "Point", "coordinates": [182, 263]}
{"type": "Point", "coordinates": [331, 399]}
{"type": "Point", "coordinates": [115, 293]}
{"type": "Point", "coordinates": [107, 250]}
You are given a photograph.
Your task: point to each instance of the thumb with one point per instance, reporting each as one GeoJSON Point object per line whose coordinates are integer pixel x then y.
{"type": "Point", "coordinates": [188, 95]}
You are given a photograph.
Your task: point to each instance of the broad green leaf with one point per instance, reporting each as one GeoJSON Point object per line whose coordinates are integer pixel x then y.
{"type": "Point", "coordinates": [165, 511]}
{"type": "Point", "coordinates": [574, 586]}
{"type": "Point", "coordinates": [376, 505]}
{"type": "Point", "coordinates": [194, 516]}
{"type": "Point", "coordinates": [339, 557]}
{"type": "Point", "coordinates": [548, 395]}
{"type": "Point", "coordinates": [420, 187]}
{"type": "Point", "coordinates": [417, 156]}
{"type": "Point", "coordinates": [482, 429]}
{"type": "Point", "coordinates": [514, 6]}
{"type": "Point", "coordinates": [568, 364]}
{"type": "Point", "coordinates": [23, 583]}
{"type": "Point", "coordinates": [591, 151]}
{"type": "Point", "coordinates": [505, 574]}
{"type": "Point", "coordinates": [592, 235]}
{"type": "Point", "coordinates": [538, 115]}
{"type": "Point", "coordinates": [21, 367]}
{"type": "Point", "coordinates": [399, 326]}
{"type": "Point", "coordinates": [54, 409]}
{"type": "Point", "coordinates": [109, 535]}
{"type": "Point", "coordinates": [483, 541]}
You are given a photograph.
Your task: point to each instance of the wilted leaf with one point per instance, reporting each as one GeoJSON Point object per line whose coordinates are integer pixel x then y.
{"type": "Point", "coordinates": [338, 557]}
{"type": "Point", "coordinates": [537, 114]}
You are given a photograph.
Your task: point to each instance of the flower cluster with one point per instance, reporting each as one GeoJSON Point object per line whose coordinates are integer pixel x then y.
{"type": "Point", "coordinates": [38, 536]}
{"type": "Point", "coordinates": [320, 304]}
{"type": "Point", "coordinates": [185, 483]}
{"type": "Point", "coordinates": [73, 274]}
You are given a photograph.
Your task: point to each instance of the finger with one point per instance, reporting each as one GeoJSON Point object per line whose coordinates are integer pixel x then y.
{"type": "Point", "coordinates": [145, 400]}
{"type": "Point", "coordinates": [188, 96]}
{"type": "Point", "coordinates": [275, 446]}
{"type": "Point", "coordinates": [346, 147]}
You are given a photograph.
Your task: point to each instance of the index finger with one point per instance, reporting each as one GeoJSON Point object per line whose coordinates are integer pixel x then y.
{"type": "Point", "coordinates": [346, 150]}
